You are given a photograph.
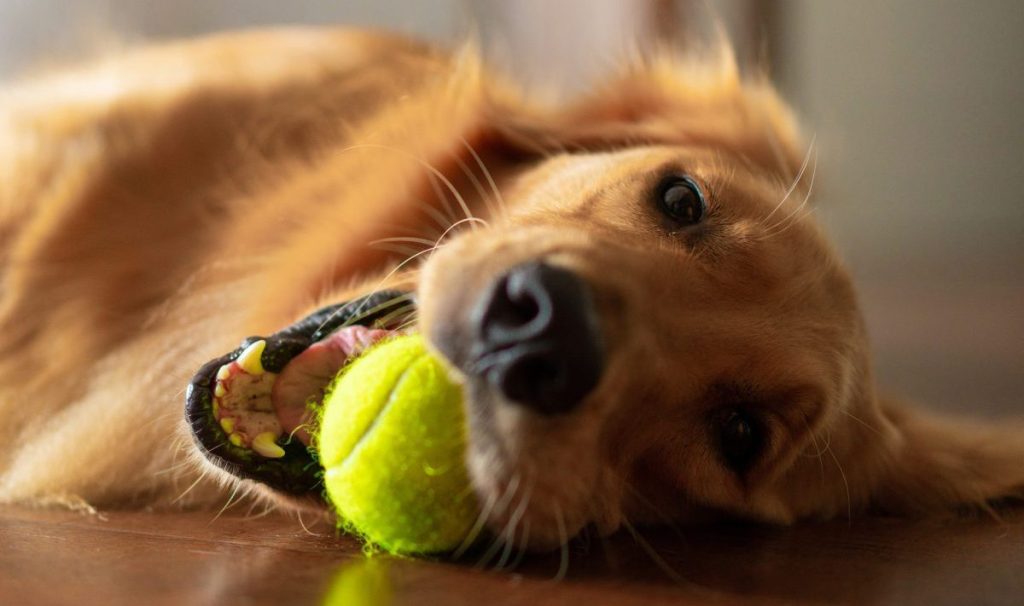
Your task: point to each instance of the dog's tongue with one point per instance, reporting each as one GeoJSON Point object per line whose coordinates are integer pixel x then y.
{"type": "Point", "coordinates": [306, 376]}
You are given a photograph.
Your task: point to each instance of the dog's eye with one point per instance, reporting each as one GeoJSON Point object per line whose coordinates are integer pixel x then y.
{"type": "Point", "coordinates": [681, 199]}
{"type": "Point", "coordinates": [739, 439]}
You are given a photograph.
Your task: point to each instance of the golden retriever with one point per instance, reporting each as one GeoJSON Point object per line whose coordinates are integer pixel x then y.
{"type": "Point", "coordinates": [631, 286]}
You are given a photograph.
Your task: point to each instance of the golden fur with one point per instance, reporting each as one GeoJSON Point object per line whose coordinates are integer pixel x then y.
{"type": "Point", "coordinates": [158, 207]}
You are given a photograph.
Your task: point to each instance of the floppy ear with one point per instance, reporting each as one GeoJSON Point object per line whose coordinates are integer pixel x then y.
{"type": "Point", "coordinates": [946, 464]}
{"type": "Point", "coordinates": [678, 98]}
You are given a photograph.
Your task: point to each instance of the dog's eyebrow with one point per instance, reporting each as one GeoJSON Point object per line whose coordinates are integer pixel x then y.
{"type": "Point", "coordinates": [731, 392]}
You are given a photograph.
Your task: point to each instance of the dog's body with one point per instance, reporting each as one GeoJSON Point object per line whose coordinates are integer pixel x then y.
{"type": "Point", "coordinates": [157, 209]}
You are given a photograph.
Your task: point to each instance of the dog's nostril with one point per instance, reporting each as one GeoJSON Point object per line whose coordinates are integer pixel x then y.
{"type": "Point", "coordinates": [535, 378]}
{"type": "Point", "coordinates": [537, 340]}
{"type": "Point", "coordinates": [517, 308]}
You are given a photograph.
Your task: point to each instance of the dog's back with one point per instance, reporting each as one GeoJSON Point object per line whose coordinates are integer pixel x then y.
{"type": "Point", "coordinates": [123, 186]}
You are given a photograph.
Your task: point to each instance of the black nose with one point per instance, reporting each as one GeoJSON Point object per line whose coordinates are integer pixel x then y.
{"type": "Point", "coordinates": [537, 340]}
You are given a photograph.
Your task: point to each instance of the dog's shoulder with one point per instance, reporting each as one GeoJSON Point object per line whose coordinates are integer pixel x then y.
{"type": "Point", "coordinates": [126, 149]}
{"type": "Point", "coordinates": [70, 124]}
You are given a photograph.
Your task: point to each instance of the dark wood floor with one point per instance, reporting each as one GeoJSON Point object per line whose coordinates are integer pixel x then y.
{"type": "Point", "coordinates": [926, 350]}
{"type": "Point", "coordinates": [51, 557]}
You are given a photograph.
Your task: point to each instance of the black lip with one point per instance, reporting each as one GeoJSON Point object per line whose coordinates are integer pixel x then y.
{"type": "Point", "coordinates": [298, 471]}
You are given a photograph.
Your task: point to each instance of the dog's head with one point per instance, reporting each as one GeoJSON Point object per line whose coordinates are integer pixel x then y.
{"type": "Point", "coordinates": [651, 326]}
{"type": "Point", "coordinates": [655, 325]}
{"type": "Point", "coordinates": [656, 328]}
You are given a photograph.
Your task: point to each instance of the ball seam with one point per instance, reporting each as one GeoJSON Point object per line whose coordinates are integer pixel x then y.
{"type": "Point", "coordinates": [380, 414]}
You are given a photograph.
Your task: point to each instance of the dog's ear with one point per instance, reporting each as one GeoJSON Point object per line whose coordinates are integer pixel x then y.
{"type": "Point", "coordinates": [945, 464]}
{"type": "Point", "coordinates": [668, 98]}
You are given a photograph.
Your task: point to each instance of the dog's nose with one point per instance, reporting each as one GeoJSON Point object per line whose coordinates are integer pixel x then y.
{"type": "Point", "coordinates": [537, 340]}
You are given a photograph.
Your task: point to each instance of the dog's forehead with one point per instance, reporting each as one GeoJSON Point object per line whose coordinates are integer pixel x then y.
{"type": "Point", "coordinates": [585, 172]}
{"type": "Point", "coordinates": [730, 182]}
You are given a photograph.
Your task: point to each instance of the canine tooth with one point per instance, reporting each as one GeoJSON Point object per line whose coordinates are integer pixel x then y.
{"type": "Point", "coordinates": [228, 424]}
{"type": "Point", "coordinates": [235, 439]}
{"type": "Point", "coordinates": [219, 391]}
{"type": "Point", "coordinates": [250, 360]}
{"type": "Point", "coordinates": [223, 373]}
{"type": "Point", "coordinates": [265, 445]}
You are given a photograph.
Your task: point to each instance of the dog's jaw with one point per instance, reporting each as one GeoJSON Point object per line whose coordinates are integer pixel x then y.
{"type": "Point", "coordinates": [540, 481]}
{"type": "Point", "coordinates": [234, 393]}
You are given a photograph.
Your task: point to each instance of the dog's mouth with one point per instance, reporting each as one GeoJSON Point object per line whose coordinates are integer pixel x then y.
{"type": "Point", "coordinates": [251, 411]}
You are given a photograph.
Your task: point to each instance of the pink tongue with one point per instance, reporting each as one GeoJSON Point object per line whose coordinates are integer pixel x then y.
{"type": "Point", "coordinates": [305, 377]}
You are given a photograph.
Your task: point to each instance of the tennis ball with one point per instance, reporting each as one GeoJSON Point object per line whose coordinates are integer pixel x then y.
{"type": "Point", "coordinates": [392, 442]}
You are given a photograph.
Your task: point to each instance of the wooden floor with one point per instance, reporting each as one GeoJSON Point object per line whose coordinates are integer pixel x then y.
{"type": "Point", "coordinates": [49, 557]}
{"type": "Point", "coordinates": [189, 558]}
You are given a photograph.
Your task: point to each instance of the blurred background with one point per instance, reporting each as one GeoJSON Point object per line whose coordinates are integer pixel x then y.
{"type": "Point", "coordinates": [917, 107]}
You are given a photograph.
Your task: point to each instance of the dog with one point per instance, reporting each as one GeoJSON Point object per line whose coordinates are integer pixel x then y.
{"type": "Point", "coordinates": [647, 322]}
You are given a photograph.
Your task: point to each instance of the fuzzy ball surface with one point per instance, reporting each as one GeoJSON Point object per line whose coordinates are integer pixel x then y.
{"type": "Point", "coordinates": [392, 443]}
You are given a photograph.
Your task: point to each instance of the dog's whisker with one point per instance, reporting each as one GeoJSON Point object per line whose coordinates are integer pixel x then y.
{"type": "Point", "coordinates": [819, 453]}
{"type": "Point", "coordinates": [502, 205]}
{"type": "Point", "coordinates": [506, 553]}
{"type": "Point", "coordinates": [174, 467]}
{"type": "Point", "coordinates": [162, 418]}
{"type": "Point", "coordinates": [862, 422]}
{"type": "Point", "coordinates": [202, 476]}
{"type": "Point", "coordinates": [428, 166]}
{"type": "Point", "coordinates": [453, 227]}
{"type": "Point", "coordinates": [491, 551]}
{"type": "Point", "coordinates": [443, 218]}
{"type": "Point", "coordinates": [503, 537]}
{"type": "Point", "coordinates": [404, 251]}
{"type": "Point", "coordinates": [511, 488]}
{"type": "Point", "coordinates": [523, 546]}
{"type": "Point", "coordinates": [653, 554]}
{"type": "Point", "coordinates": [509, 536]}
{"type": "Point", "coordinates": [230, 502]}
{"type": "Point", "coordinates": [795, 221]}
{"type": "Point", "coordinates": [364, 313]}
{"type": "Point", "coordinates": [792, 218]}
{"type": "Point", "coordinates": [439, 219]}
{"type": "Point", "coordinates": [484, 196]}
{"type": "Point", "coordinates": [387, 319]}
{"type": "Point", "coordinates": [410, 259]}
{"type": "Point", "coordinates": [563, 538]}
{"type": "Point", "coordinates": [267, 509]}
{"type": "Point", "coordinates": [411, 240]}
{"type": "Point", "coordinates": [796, 181]}
{"type": "Point", "coordinates": [413, 319]}
{"type": "Point", "coordinates": [302, 523]}
{"type": "Point", "coordinates": [402, 304]}
{"type": "Point", "coordinates": [846, 484]}
{"type": "Point", "coordinates": [248, 512]}
{"type": "Point", "coordinates": [477, 528]}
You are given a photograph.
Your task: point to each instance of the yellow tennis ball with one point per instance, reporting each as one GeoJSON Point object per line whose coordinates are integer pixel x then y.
{"type": "Point", "coordinates": [392, 442]}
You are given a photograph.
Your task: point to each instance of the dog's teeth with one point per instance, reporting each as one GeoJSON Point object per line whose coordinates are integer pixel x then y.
{"type": "Point", "coordinates": [250, 360]}
{"type": "Point", "coordinates": [223, 373]}
{"type": "Point", "coordinates": [228, 425]}
{"type": "Point", "coordinates": [265, 445]}
{"type": "Point", "coordinates": [219, 391]}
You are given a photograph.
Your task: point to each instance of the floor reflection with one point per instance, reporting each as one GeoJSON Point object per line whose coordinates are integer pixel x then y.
{"type": "Point", "coordinates": [363, 581]}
